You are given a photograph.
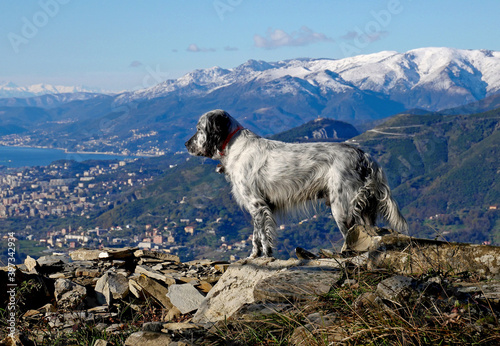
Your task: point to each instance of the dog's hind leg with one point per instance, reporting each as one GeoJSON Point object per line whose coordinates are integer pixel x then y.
{"type": "Point", "coordinates": [264, 230]}
{"type": "Point", "coordinates": [341, 216]}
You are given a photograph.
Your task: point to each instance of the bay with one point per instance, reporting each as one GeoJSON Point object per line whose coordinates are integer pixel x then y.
{"type": "Point", "coordinates": [23, 156]}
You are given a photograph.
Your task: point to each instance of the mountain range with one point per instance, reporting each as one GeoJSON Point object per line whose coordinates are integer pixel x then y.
{"type": "Point", "coordinates": [267, 97]}
{"type": "Point", "coordinates": [9, 89]}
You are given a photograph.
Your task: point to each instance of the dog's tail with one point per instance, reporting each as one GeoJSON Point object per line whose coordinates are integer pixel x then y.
{"type": "Point", "coordinates": [375, 198]}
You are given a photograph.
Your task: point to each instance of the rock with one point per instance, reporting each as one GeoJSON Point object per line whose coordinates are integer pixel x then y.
{"type": "Point", "coordinates": [152, 326]}
{"type": "Point", "coordinates": [68, 294]}
{"type": "Point", "coordinates": [304, 254]}
{"type": "Point", "coordinates": [155, 290]}
{"type": "Point", "coordinates": [403, 254]}
{"type": "Point", "coordinates": [93, 273]}
{"type": "Point", "coordinates": [100, 342]}
{"type": "Point", "coordinates": [31, 313]}
{"type": "Point", "coordinates": [172, 314]}
{"type": "Point", "coordinates": [111, 285]}
{"type": "Point", "coordinates": [221, 267]}
{"type": "Point", "coordinates": [118, 253]}
{"type": "Point", "coordinates": [185, 297]}
{"type": "Point", "coordinates": [47, 308]}
{"type": "Point", "coordinates": [153, 274]}
{"type": "Point", "coordinates": [118, 285]}
{"type": "Point", "coordinates": [179, 327]}
{"type": "Point", "coordinates": [52, 260]}
{"type": "Point", "coordinates": [102, 290]}
{"type": "Point", "coordinates": [115, 327]}
{"type": "Point", "coordinates": [146, 338]}
{"type": "Point", "coordinates": [396, 289]}
{"type": "Point", "coordinates": [135, 289]}
{"type": "Point", "coordinates": [489, 290]}
{"type": "Point", "coordinates": [204, 286]}
{"type": "Point", "coordinates": [368, 301]}
{"type": "Point", "coordinates": [296, 284]}
{"type": "Point", "coordinates": [237, 285]}
{"type": "Point", "coordinates": [92, 255]}
{"type": "Point", "coordinates": [85, 255]}
{"type": "Point", "coordinates": [31, 264]}
{"type": "Point", "coordinates": [157, 255]}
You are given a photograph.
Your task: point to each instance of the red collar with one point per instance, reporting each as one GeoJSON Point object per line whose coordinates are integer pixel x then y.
{"type": "Point", "coordinates": [231, 135]}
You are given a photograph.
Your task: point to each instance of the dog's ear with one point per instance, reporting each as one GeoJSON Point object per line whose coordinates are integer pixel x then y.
{"type": "Point", "coordinates": [219, 124]}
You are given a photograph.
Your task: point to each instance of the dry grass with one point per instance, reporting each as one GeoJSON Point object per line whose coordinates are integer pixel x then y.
{"type": "Point", "coordinates": [434, 314]}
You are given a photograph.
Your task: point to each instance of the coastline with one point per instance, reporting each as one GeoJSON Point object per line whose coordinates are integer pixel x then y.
{"type": "Point", "coordinates": [66, 151]}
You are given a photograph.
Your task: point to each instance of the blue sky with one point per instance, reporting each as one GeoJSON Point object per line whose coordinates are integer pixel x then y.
{"type": "Point", "coordinates": [124, 44]}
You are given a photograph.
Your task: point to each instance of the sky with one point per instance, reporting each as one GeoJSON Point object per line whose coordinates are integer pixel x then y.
{"type": "Point", "coordinates": [125, 45]}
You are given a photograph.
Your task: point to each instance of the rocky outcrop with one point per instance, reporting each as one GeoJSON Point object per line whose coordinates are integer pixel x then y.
{"type": "Point", "coordinates": [188, 303]}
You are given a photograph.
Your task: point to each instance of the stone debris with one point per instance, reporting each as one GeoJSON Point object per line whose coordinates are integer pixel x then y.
{"type": "Point", "coordinates": [185, 297]}
{"type": "Point", "coordinates": [190, 298]}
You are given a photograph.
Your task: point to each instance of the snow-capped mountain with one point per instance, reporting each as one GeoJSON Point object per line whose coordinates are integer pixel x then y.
{"type": "Point", "coordinates": [266, 97]}
{"type": "Point", "coordinates": [9, 89]}
{"type": "Point", "coordinates": [428, 78]}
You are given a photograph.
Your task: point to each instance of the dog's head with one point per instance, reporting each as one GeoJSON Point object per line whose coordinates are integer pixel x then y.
{"type": "Point", "coordinates": [213, 130]}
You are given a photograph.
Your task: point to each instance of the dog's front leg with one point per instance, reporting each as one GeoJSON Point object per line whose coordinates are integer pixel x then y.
{"type": "Point", "coordinates": [264, 231]}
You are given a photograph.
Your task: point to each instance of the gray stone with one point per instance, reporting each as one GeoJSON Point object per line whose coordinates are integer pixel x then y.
{"type": "Point", "coordinates": [154, 289]}
{"type": "Point", "coordinates": [488, 290]}
{"type": "Point", "coordinates": [154, 274]}
{"type": "Point", "coordinates": [396, 288]}
{"type": "Point", "coordinates": [237, 285]}
{"type": "Point", "coordinates": [52, 260]}
{"type": "Point", "coordinates": [92, 255]}
{"type": "Point", "coordinates": [85, 255]}
{"type": "Point", "coordinates": [403, 254]}
{"type": "Point", "coordinates": [185, 297]}
{"type": "Point", "coordinates": [146, 338]}
{"type": "Point", "coordinates": [68, 294]}
{"type": "Point", "coordinates": [152, 326]}
{"type": "Point", "coordinates": [118, 285]}
{"type": "Point", "coordinates": [102, 290]}
{"type": "Point", "coordinates": [157, 255]}
{"type": "Point", "coordinates": [296, 284]}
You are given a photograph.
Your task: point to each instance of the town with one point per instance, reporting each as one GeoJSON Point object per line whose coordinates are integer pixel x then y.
{"type": "Point", "coordinates": [68, 189]}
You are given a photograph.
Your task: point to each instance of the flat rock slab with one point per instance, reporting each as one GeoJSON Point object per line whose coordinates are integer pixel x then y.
{"type": "Point", "coordinates": [238, 284]}
{"type": "Point", "coordinates": [146, 338]}
{"type": "Point", "coordinates": [185, 297]}
{"type": "Point", "coordinates": [157, 255]}
{"type": "Point", "coordinates": [295, 284]}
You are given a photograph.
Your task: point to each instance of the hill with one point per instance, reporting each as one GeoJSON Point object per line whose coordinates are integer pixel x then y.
{"type": "Point", "coordinates": [443, 165]}
{"type": "Point", "coordinates": [321, 129]}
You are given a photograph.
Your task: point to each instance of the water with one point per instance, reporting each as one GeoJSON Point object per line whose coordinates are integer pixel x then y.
{"type": "Point", "coordinates": [20, 157]}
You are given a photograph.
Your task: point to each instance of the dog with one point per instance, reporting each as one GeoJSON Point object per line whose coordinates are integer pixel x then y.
{"type": "Point", "coordinates": [270, 178]}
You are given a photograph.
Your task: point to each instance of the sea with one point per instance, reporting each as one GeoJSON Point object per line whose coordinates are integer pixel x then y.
{"type": "Point", "coordinates": [22, 156]}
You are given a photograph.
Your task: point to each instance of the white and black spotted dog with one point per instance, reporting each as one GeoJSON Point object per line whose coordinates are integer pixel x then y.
{"type": "Point", "coordinates": [271, 177]}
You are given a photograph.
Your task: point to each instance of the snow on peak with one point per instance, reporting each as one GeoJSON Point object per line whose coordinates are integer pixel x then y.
{"type": "Point", "coordinates": [386, 72]}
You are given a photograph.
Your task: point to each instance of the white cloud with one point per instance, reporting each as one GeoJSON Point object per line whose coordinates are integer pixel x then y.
{"type": "Point", "coordinates": [194, 48]}
{"type": "Point", "coordinates": [279, 38]}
